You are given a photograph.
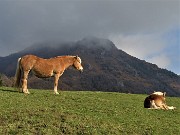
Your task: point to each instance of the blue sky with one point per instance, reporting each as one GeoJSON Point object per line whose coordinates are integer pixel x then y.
{"type": "Point", "coordinates": [172, 39]}
{"type": "Point", "coordinates": [148, 30]}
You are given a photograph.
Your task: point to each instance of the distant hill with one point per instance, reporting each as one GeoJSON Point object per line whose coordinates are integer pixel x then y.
{"type": "Point", "coordinates": [106, 68]}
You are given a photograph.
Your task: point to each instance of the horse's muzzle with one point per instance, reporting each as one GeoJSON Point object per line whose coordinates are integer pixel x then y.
{"type": "Point", "coordinates": [81, 70]}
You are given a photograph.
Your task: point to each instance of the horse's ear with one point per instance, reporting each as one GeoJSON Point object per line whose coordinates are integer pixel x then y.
{"type": "Point", "coordinates": [76, 56]}
{"type": "Point", "coordinates": [164, 94]}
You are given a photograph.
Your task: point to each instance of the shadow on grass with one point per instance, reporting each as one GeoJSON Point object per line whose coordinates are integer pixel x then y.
{"type": "Point", "coordinates": [9, 90]}
{"type": "Point", "coordinates": [13, 91]}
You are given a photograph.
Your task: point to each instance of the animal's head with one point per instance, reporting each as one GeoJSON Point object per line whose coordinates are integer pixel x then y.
{"type": "Point", "coordinates": [77, 63]}
{"type": "Point", "coordinates": [159, 96]}
{"type": "Point", "coordinates": [159, 93]}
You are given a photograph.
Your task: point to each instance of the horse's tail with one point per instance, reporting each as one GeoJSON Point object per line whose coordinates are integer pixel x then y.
{"type": "Point", "coordinates": [147, 102]}
{"type": "Point", "coordinates": [18, 74]}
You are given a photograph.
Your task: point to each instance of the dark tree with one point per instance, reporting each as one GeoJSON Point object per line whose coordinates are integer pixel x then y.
{"type": "Point", "coordinates": [1, 81]}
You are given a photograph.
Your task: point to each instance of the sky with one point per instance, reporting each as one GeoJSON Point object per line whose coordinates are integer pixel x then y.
{"type": "Point", "coordinates": [146, 29]}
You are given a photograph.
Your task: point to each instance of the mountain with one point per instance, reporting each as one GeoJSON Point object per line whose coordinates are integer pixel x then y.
{"type": "Point", "coordinates": [106, 68]}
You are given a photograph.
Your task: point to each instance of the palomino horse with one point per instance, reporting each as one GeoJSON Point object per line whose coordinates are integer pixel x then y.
{"type": "Point", "coordinates": [44, 68]}
{"type": "Point", "coordinates": [157, 101]}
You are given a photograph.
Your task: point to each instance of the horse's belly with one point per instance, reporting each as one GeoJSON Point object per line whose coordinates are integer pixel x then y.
{"type": "Point", "coordinates": [43, 74]}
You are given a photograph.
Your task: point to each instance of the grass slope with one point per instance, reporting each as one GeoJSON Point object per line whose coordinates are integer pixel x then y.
{"type": "Point", "coordinates": [44, 113]}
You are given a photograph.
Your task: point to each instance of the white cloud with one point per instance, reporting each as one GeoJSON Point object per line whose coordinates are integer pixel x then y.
{"type": "Point", "coordinates": [139, 45]}
{"type": "Point", "coordinates": [24, 23]}
{"type": "Point", "coordinates": [149, 47]}
{"type": "Point", "coordinates": [162, 60]}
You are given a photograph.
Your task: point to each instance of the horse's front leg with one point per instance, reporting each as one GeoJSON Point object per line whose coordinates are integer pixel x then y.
{"type": "Point", "coordinates": [24, 82]}
{"type": "Point", "coordinates": [56, 78]}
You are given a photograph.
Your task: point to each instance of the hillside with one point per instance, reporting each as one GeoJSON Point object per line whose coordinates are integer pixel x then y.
{"type": "Point", "coordinates": [90, 113]}
{"type": "Point", "coordinates": [106, 68]}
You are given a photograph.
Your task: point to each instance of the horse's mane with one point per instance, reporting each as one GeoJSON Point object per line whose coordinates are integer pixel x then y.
{"type": "Point", "coordinates": [63, 56]}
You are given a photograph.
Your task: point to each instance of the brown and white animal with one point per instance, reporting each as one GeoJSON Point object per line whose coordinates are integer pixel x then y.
{"type": "Point", "coordinates": [44, 68]}
{"type": "Point", "coordinates": [157, 101]}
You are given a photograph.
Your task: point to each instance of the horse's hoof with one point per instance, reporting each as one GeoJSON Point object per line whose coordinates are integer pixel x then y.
{"type": "Point", "coordinates": [56, 93]}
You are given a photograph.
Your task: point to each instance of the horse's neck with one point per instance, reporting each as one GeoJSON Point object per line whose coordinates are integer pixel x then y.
{"type": "Point", "coordinates": [68, 61]}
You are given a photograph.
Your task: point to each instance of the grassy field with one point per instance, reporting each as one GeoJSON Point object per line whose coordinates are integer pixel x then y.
{"type": "Point", "coordinates": [83, 113]}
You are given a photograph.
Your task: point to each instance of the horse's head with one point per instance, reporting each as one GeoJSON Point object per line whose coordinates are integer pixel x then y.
{"type": "Point", "coordinates": [77, 63]}
{"type": "Point", "coordinates": [159, 96]}
{"type": "Point", "coordinates": [159, 93]}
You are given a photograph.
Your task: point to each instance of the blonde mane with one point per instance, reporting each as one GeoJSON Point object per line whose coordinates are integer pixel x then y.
{"type": "Point", "coordinates": [158, 93]}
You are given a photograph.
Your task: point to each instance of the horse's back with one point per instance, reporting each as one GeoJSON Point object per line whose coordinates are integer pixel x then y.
{"type": "Point", "coordinates": [41, 67]}
{"type": "Point", "coordinates": [28, 61]}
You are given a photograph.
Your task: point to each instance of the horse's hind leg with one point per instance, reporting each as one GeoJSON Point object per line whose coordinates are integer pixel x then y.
{"type": "Point", "coordinates": [24, 82]}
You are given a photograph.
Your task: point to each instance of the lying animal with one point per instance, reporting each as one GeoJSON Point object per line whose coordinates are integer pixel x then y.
{"type": "Point", "coordinates": [157, 101]}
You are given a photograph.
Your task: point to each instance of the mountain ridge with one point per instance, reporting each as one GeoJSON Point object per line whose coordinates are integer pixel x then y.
{"type": "Point", "coordinates": [106, 68]}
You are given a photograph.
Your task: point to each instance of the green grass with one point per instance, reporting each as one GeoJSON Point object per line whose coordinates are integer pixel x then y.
{"type": "Point", "coordinates": [87, 113]}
